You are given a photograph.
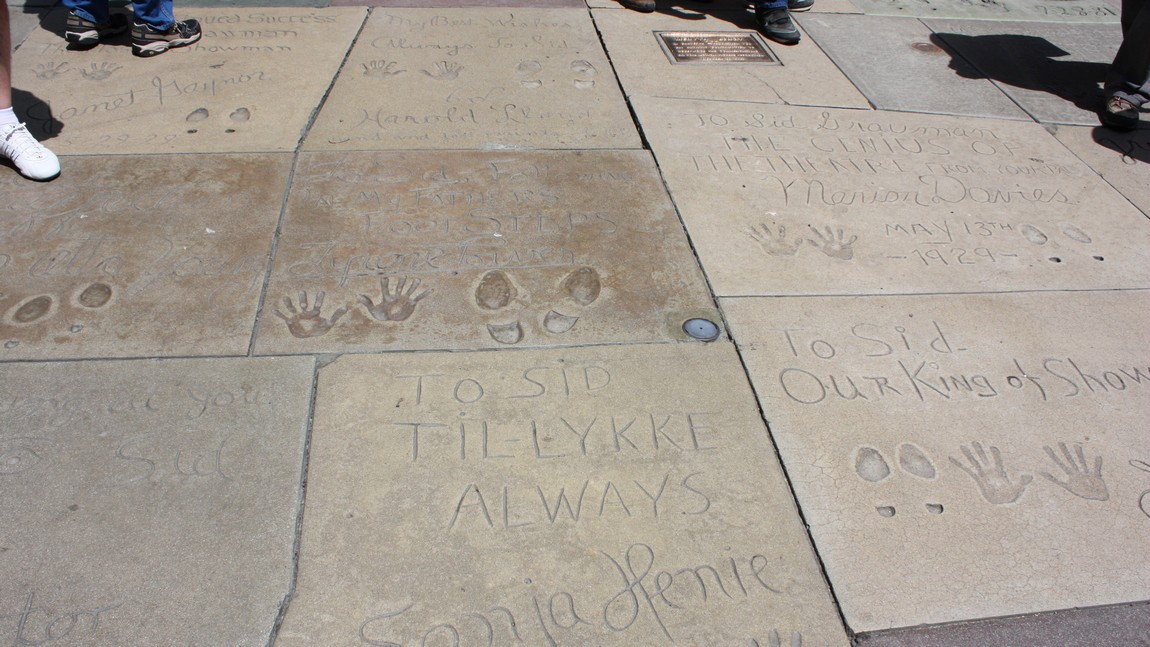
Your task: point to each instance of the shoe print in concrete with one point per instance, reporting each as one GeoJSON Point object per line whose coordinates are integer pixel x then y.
{"type": "Point", "coordinates": [273, 63]}
{"type": "Point", "coordinates": [822, 201]}
{"type": "Point", "coordinates": [150, 502]}
{"type": "Point", "coordinates": [137, 256]}
{"type": "Point", "coordinates": [578, 497]}
{"type": "Point", "coordinates": [1120, 158]}
{"type": "Point", "coordinates": [483, 78]}
{"type": "Point", "coordinates": [472, 250]}
{"type": "Point", "coordinates": [961, 457]}
{"type": "Point", "coordinates": [805, 75]}
{"type": "Point", "coordinates": [895, 63]}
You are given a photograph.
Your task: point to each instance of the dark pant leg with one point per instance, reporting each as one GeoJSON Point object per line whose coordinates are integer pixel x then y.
{"type": "Point", "coordinates": [1129, 74]}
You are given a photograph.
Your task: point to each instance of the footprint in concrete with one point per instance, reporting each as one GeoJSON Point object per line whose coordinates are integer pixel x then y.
{"type": "Point", "coordinates": [528, 73]}
{"type": "Point", "coordinates": [1076, 234]}
{"type": "Point", "coordinates": [913, 461]}
{"type": "Point", "coordinates": [199, 114]}
{"type": "Point", "coordinates": [495, 292]}
{"type": "Point", "coordinates": [871, 466]}
{"type": "Point", "coordinates": [586, 71]}
{"type": "Point", "coordinates": [32, 309]}
{"type": "Point", "coordinates": [581, 286]}
{"type": "Point", "coordinates": [1033, 234]}
{"type": "Point", "coordinates": [240, 115]}
{"type": "Point", "coordinates": [96, 295]}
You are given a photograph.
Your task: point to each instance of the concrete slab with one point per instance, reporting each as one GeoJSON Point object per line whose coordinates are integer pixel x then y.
{"type": "Point", "coordinates": [822, 201]}
{"type": "Point", "coordinates": [691, 9]}
{"type": "Point", "coordinates": [22, 23]}
{"type": "Point", "coordinates": [250, 84]}
{"type": "Point", "coordinates": [478, 78]}
{"type": "Point", "coordinates": [152, 502]}
{"type": "Point", "coordinates": [961, 457]}
{"type": "Point", "coordinates": [240, 4]}
{"type": "Point", "coordinates": [449, 4]}
{"type": "Point", "coordinates": [478, 250]}
{"type": "Point", "coordinates": [1046, 11]}
{"type": "Point", "coordinates": [533, 526]}
{"type": "Point", "coordinates": [894, 63]}
{"type": "Point", "coordinates": [1121, 625]}
{"type": "Point", "coordinates": [805, 76]}
{"type": "Point", "coordinates": [1122, 159]}
{"type": "Point", "coordinates": [137, 256]}
{"type": "Point", "coordinates": [1052, 70]}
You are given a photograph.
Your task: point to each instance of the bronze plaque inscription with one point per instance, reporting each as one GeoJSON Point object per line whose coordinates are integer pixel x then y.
{"type": "Point", "coordinates": [715, 47]}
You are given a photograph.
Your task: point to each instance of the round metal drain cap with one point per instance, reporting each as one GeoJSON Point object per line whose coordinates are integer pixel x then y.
{"type": "Point", "coordinates": [701, 329]}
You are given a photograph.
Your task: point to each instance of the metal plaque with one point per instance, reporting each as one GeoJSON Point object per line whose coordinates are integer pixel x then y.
{"type": "Point", "coordinates": [715, 47]}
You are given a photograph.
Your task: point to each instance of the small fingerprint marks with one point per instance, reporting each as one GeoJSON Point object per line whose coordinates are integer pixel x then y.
{"type": "Point", "coordinates": [1033, 234]}
{"type": "Point", "coordinates": [32, 310]}
{"type": "Point", "coordinates": [870, 465]}
{"type": "Point", "coordinates": [559, 323]}
{"type": "Point", "coordinates": [913, 461]}
{"type": "Point", "coordinates": [96, 295]}
{"type": "Point", "coordinates": [199, 114]}
{"type": "Point", "coordinates": [1076, 234]}
{"type": "Point", "coordinates": [240, 115]}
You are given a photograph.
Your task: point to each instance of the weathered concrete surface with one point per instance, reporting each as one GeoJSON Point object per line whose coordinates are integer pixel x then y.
{"type": "Point", "coordinates": [894, 63]}
{"type": "Point", "coordinates": [478, 250]}
{"type": "Point", "coordinates": [806, 76]}
{"type": "Point", "coordinates": [1122, 159]}
{"type": "Point", "coordinates": [1052, 70]}
{"type": "Point", "coordinates": [481, 78]}
{"type": "Point", "coordinates": [23, 22]}
{"type": "Point", "coordinates": [586, 497]}
{"type": "Point", "coordinates": [137, 256]}
{"type": "Point", "coordinates": [149, 503]}
{"type": "Point", "coordinates": [828, 201]}
{"type": "Point", "coordinates": [250, 84]}
{"type": "Point", "coordinates": [962, 457]}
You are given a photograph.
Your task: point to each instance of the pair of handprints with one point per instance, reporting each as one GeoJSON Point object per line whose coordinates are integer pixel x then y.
{"type": "Point", "coordinates": [833, 243]}
{"type": "Point", "coordinates": [393, 305]}
{"type": "Point", "coordinates": [1079, 475]}
{"type": "Point", "coordinates": [382, 69]}
{"type": "Point", "coordinates": [94, 72]}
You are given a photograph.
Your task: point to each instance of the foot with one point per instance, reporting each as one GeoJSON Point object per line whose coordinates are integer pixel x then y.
{"type": "Point", "coordinates": [30, 156]}
{"type": "Point", "coordinates": [800, 5]}
{"type": "Point", "coordinates": [646, 6]}
{"type": "Point", "coordinates": [149, 41]}
{"type": "Point", "coordinates": [776, 24]}
{"type": "Point", "coordinates": [85, 33]}
{"type": "Point", "coordinates": [1119, 114]}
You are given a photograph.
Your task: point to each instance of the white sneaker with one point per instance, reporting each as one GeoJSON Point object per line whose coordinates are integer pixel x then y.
{"type": "Point", "coordinates": [29, 155]}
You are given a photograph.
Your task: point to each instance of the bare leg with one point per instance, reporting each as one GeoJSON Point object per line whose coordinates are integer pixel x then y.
{"type": "Point", "coordinates": [5, 58]}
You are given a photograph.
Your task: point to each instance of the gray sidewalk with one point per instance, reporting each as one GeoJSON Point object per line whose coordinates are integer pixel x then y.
{"type": "Point", "coordinates": [388, 325]}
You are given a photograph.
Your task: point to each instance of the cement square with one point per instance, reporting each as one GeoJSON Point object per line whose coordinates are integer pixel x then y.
{"type": "Point", "coordinates": [805, 77]}
{"type": "Point", "coordinates": [1117, 625]}
{"type": "Point", "coordinates": [455, 4]}
{"type": "Point", "coordinates": [1052, 70]}
{"type": "Point", "coordinates": [477, 78]}
{"type": "Point", "coordinates": [1122, 159]}
{"type": "Point", "coordinates": [1045, 11]}
{"type": "Point", "coordinates": [137, 256]}
{"type": "Point", "coordinates": [250, 84]}
{"type": "Point", "coordinates": [500, 497]}
{"type": "Point", "coordinates": [23, 22]}
{"type": "Point", "coordinates": [894, 63]}
{"type": "Point", "coordinates": [469, 250]}
{"type": "Point", "coordinates": [961, 457]}
{"type": "Point", "coordinates": [150, 502]}
{"type": "Point", "coordinates": [792, 201]}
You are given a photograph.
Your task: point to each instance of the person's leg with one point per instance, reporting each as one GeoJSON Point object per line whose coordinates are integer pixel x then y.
{"type": "Point", "coordinates": [156, 30]}
{"type": "Point", "coordinates": [1127, 83]}
{"type": "Point", "coordinates": [1129, 74]}
{"type": "Point", "coordinates": [16, 143]}
{"type": "Point", "coordinates": [775, 21]}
